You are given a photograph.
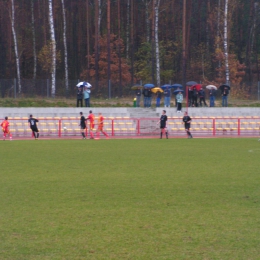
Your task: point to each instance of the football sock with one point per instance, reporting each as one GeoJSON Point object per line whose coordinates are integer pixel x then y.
{"type": "Point", "coordinates": [105, 134]}
{"type": "Point", "coordinates": [38, 135]}
{"type": "Point", "coordinates": [91, 135]}
{"type": "Point", "coordinates": [34, 135]}
{"type": "Point", "coordinates": [161, 134]}
{"type": "Point", "coordinates": [166, 135]}
{"type": "Point", "coordinates": [98, 134]}
{"type": "Point", "coordinates": [83, 134]}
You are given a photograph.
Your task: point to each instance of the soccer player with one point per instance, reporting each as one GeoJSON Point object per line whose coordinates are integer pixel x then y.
{"type": "Point", "coordinates": [162, 123]}
{"type": "Point", "coordinates": [82, 125]}
{"type": "Point", "coordinates": [91, 119]}
{"type": "Point", "coordinates": [186, 121]}
{"type": "Point", "coordinates": [5, 127]}
{"type": "Point", "coordinates": [33, 125]}
{"type": "Point", "coordinates": [100, 126]}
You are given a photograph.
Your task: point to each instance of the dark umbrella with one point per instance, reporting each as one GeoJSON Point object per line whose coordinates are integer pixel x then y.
{"type": "Point", "coordinates": [176, 85]}
{"type": "Point", "coordinates": [197, 87]}
{"type": "Point", "coordinates": [175, 92]}
{"type": "Point", "coordinates": [191, 83]}
{"type": "Point", "coordinates": [149, 85]}
{"type": "Point", "coordinates": [165, 86]}
{"type": "Point", "coordinates": [223, 86]}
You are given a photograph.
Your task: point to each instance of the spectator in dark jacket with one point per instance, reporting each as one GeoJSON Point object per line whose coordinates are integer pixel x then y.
{"type": "Point", "coordinates": [79, 96]}
{"type": "Point", "coordinates": [212, 97]}
{"type": "Point", "coordinates": [202, 97]}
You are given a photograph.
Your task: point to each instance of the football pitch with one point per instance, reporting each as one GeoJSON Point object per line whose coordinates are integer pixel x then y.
{"type": "Point", "coordinates": [130, 199]}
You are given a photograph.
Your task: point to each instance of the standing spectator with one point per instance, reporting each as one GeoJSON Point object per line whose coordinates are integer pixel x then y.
{"type": "Point", "coordinates": [212, 97]}
{"type": "Point", "coordinates": [190, 96]}
{"type": "Point", "coordinates": [146, 97]}
{"type": "Point", "coordinates": [167, 97]}
{"type": "Point", "coordinates": [100, 126]}
{"type": "Point", "coordinates": [87, 97]}
{"type": "Point", "coordinates": [162, 123]}
{"type": "Point", "coordinates": [149, 97]}
{"type": "Point", "coordinates": [195, 97]}
{"type": "Point", "coordinates": [5, 128]}
{"type": "Point", "coordinates": [225, 97]}
{"type": "Point", "coordinates": [138, 93]}
{"type": "Point", "coordinates": [179, 98]}
{"type": "Point", "coordinates": [82, 125]}
{"type": "Point", "coordinates": [91, 119]}
{"type": "Point", "coordinates": [202, 97]}
{"type": "Point", "coordinates": [158, 98]}
{"type": "Point", "coordinates": [33, 125]}
{"type": "Point", "coordinates": [187, 121]}
{"type": "Point", "coordinates": [79, 96]}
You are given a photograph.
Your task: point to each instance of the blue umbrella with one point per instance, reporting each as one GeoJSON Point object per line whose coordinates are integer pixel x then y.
{"type": "Point", "coordinates": [175, 92]}
{"type": "Point", "coordinates": [191, 83]}
{"type": "Point", "coordinates": [165, 86]}
{"type": "Point", "coordinates": [176, 85]}
{"type": "Point", "coordinates": [149, 85]}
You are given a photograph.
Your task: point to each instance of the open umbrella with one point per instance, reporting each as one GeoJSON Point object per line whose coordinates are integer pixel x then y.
{"type": "Point", "coordinates": [224, 86]}
{"type": "Point", "coordinates": [166, 86]}
{"type": "Point", "coordinates": [81, 84]}
{"type": "Point", "coordinates": [175, 92]}
{"type": "Point", "coordinates": [191, 83]}
{"type": "Point", "coordinates": [149, 85]}
{"type": "Point", "coordinates": [136, 87]}
{"type": "Point", "coordinates": [155, 90]}
{"type": "Point", "coordinates": [176, 86]}
{"type": "Point", "coordinates": [197, 87]}
{"type": "Point", "coordinates": [211, 87]}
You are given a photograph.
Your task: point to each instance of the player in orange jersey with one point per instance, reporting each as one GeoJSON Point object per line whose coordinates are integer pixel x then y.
{"type": "Point", "coordinates": [91, 119]}
{"type": "Point", "coordinates": [100, 126]}
{"type": "Point", "coordinates": [5, 128]}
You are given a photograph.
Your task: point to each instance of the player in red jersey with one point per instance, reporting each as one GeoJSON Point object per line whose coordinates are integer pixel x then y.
{"type": "Point", "coordinates": [5, 127]}
{"type": "Point", "coordinates": [100, 126]}
{"type": "Point", "coordinates": [91, 119]}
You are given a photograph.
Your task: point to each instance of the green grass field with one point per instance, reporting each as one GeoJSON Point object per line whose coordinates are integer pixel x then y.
{"type": "Point", "coordinates": [130, 199]}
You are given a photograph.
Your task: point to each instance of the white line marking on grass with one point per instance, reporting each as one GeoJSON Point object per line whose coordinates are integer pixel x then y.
{"type": "Point", "coordinates": [253, 150]}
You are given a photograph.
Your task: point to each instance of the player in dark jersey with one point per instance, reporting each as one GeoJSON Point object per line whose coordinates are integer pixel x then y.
{"type": "Point", "coordinates": [82, 124]}
{"type": "Point", "coordinates": [33, 125]}
{"type": "Point", "coordinates": [162, 123]}
{"type": "Point", "coordinates": [186, 121]}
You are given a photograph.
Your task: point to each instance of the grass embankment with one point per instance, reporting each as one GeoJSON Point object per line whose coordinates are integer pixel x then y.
{"type": "Point", "coordinates": [130, 199]}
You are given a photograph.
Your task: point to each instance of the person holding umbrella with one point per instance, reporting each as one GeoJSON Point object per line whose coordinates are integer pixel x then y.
{"type": "Point", "coordinates": [202, 97]}
{"type": "Point", "coordinates": [138, 94]}
{"type": "Point", "coordinates": [167, 97]}
{"type": "Point", "coordinates": [79, 96]}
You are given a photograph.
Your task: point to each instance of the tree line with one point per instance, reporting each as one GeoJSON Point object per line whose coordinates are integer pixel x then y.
{"type": "Point", "coordinates": [125, 42]}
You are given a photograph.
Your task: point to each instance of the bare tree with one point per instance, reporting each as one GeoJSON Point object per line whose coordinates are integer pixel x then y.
{"type": "Point", "coordinates": [184, 43]}
{"type": "Point", "coordinates": [53, 44]}
{"type": "Point", "coordinates": [65, 46]}
{"type": "Point", "coordinates": [108, 45]}
{"type": "Point", "coordinates": [226, 40]}
{"type": "Point", "coordinates": [34, 42]}
{"type": "Point", "coordinates": [156, 41]}
{"type": "Point", "coordinates": [16, 48]}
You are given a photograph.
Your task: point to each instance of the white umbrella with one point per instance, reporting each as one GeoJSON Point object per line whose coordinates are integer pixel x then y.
{"type": "Point", "coordinates": [82, 83]}
{"type": "Point", "coordinates": [211, 87]}
{"type": "Point", "coordinates": [88, 85]}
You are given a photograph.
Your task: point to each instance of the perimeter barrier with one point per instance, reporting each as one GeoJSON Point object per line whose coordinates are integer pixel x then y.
{"type": "Point", "coordinates": [200, 126]}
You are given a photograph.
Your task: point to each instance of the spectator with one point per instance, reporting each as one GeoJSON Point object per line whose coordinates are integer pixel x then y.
{"type": "Point", "coordinates": [87, 97]}
{"type": "Point", "coordinates": [190, 96]}
{"type": "Point", "coordinates": [202, 97]}
{"type": "Point", "coordinates": [79, 96]}
{"type": "Point", "coordinates": [179, 98]}
{"type": "Point", "coordinates": [195, 98]}
{"type": "Point", "coordinates": [225, 97]}
{"type": "Point", "coordinates": [158, 98]}
{"type": "Point", "coordinates": [167, 97]}
{"type": "Point", "coordinates": [146, 97]}
{"type": "Point", "coordinates": [149, 97]}
{"type": "Point", "coordinates": [138, 93]}
{"type": "Point", "coordinates": [212, 97]}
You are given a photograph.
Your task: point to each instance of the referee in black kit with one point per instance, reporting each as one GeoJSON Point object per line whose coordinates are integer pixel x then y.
{"type": "Point", "coordinates": [162, 122]}
{"type": "Point", "coordinates": [33, 125]}
{"type": "Point", "coordinates": [186, 121]}
{"type": "Point", "coordinates": [82, 124]}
